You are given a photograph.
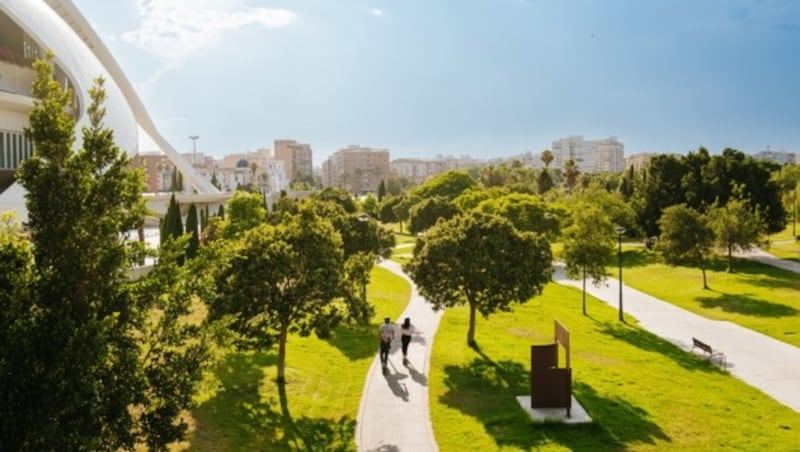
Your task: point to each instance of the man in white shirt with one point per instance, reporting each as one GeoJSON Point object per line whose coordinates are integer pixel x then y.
{"type": "Point", "coordinates": [387, 336]}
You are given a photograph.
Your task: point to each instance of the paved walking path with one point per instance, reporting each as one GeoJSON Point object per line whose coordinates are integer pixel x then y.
{"type": "Point", "coordinates": [761, 361]}
{"type": "Point", "coordinates": [759, 255]}
{"type": "Point", "coordinates": [394, 415]}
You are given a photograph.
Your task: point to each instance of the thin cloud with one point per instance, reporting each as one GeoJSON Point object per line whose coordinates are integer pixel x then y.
{"type": "Point", "coordinates": [376, 12]}
{"type": "Point", "coordinates": [177, 30]}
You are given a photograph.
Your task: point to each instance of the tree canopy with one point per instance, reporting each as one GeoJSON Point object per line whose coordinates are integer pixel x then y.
{"type": "Point", "coordinates": [90, 359]}
{"type": "Point", "coordinates": [482, 261]}
{"type": "Point", "coordinates": [686, 238]}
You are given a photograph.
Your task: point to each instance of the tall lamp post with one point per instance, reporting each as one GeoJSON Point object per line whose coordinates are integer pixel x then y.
{"type": "Point", "coordinates": [620, 230]}
{"type": "Point", "coordinates": [194, 148]}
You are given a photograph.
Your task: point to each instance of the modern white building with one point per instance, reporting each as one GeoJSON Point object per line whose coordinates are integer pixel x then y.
{"type": "Point", "coordinates": [590, 156]}
{"type": "Point", "coordinates": [27, 28]}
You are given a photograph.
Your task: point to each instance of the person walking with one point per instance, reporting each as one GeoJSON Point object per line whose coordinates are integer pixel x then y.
{"type": "Point", "coordinates": [387, 336]}
{"type": "Point", "coordinates": [405, 336]}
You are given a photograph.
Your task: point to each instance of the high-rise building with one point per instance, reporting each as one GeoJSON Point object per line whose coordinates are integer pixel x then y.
{"type": "Point", "coordinates": [296, 158]}
{"type": "Point", "coordinates": [590, 156]}
{"type": "Point", "coordinates": [356, 169]}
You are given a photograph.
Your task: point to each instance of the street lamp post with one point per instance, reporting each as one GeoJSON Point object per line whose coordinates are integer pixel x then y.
{"type": "Point", "coordinates": [620, 230]}
{"type": "Point", "coordinates": [194, 148]}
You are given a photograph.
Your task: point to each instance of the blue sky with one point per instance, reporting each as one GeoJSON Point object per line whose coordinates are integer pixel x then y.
{"type": "Point", "coordinates": [485, 78]}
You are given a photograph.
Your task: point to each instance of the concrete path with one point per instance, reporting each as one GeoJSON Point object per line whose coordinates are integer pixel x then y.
{"type": "Point", "coordinates": [759, 255]}
{"type": "Point", "coordinates": [761, 361]}
{"type": "Point", "coordinates": [394, 414]}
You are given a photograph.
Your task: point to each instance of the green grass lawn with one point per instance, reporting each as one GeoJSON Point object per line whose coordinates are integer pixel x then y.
{"type": "Point", "coordinates": [756, 296]}
{"type": "Point", "coordinates": [246, 411]}
{"type": "Point", "coordinates": [642, 392]}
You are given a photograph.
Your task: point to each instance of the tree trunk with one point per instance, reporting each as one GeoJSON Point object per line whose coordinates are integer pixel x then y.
{"type": "Point", "coordinates": [730, 258]}
{"type": "Point", "coordinates": [284, 332]}
{"type": "Point", "coordinates": [705, 283]}
{"type": "Point", "coordinates": [471, 331]}
{"type": "Point", "coordinates": [584, 290]}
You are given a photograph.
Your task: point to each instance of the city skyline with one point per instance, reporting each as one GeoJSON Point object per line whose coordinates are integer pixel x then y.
{"type": "Point", "coordinates": [485, 79]}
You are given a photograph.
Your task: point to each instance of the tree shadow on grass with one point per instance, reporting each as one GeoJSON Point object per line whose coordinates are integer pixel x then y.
{"type": "Point", "coordinates": [237, 418]}
{"type": "Point", "coordinates": [487, 390]}
{"type": "Point", "coordinates": [744, 304]}
{"type": "Point", "coordinates": [763, 275]}
{"type": "Point", "coordinates": [355, 341]}
{"type": "Point", "coordinates": [637, 257]}
{"type": "Point", "coordinates": [647, 341]}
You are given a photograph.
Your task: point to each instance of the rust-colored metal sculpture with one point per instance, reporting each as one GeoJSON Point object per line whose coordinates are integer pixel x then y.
{"type": "Point", "coordinates": [551, 386]}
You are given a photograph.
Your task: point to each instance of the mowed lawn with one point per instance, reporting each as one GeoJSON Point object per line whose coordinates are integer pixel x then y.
{"type": "Point", "coordinates": [642, 392]}
{"type": "Point", "coordinates": [244, 410]}
{"type": "Point", "coordinates": [756, 296]}
{"type": "Point", "coordinates": [785, 244]}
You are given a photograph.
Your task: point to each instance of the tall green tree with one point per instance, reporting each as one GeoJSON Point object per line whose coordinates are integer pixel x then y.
{"type": "Point", "coordinates": [588, 246]}
{"type": "Point", "coordinates": [100, 362]}
{"type": "Point", "coordinates": [736, 225]}
{"type": "Point", "coordinates": [193, 231]}
{"type": "Point", "coordinates": [381, 191]}
{"type": "Point", "coordinates": [482, 261]}
{"type": "Point", "coordinates": [686, 238]}
{"type": "Point", "coordinates": [172, 224]}
{"type": "Point", "coordinates": [525, 211]}
{"type": "Point", "coordinates": [282, 278]}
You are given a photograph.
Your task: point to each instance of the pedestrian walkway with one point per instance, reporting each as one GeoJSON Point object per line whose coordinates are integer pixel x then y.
{"type": "Point", "coordinates": [759, 255]}
{"type": "Point", "coordinates": [394, 414]}
{"type": "Point", "coordinates": [761, 361]}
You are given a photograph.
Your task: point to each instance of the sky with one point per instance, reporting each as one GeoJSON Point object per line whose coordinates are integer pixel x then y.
{"type": "Point", "coordinates": [483, 78]}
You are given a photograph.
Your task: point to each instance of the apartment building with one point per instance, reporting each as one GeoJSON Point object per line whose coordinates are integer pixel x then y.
{"type": "Point", "coordinates": [590, 156]}
{"type": "Point", "coordinates": [296, 158]}
{"type": "Point", "coordinates": [356, 169]}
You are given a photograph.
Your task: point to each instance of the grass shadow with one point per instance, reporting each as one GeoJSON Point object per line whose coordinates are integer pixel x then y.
{"type": "Point", "coordinates": [487, 390]}
{"type": "Point", "coordinates": [239, 416]}
{"type": "Point", "coordinates": [630, 423]}
{"type": "Point", "coordinates": [746, 305]}
{"type": "Point", "coordinates": [638, 257]}
{"type": "Point", "coordinates": [355, 341]}
{"type": "Point", "coordinates": [647, 341]}
{"type": "Point", "coordinates": [763, 275]}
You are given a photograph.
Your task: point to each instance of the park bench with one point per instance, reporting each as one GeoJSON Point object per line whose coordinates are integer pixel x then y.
{"type": "Point", "coordinates": [697, 343]}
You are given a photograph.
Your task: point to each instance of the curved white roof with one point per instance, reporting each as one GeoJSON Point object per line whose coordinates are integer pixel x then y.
{"type": "Point", "coordinates": [59, 26]}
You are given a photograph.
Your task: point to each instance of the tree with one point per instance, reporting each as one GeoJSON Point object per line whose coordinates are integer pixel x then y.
{"type": "Point", "coordinates": [686, 238]}
{"type": "Point", "coordinates": [282, 278]}
{"type": "Point", "coordinates": [381, 190]}
{"type": "Point", "coordinates": [788, 180]}
{"type": "Point", "coordinates": [526, 212]}
{"type": "Point", "coordinates": [171, 224]}
{"type": "Point", "coordinates": [370, 205]}
{"type": "Point", "coordinates": [658, 188]}
{"type": "Point", "coordinates": [547, 158]}
{"type": "Point", "coordinates": [245, 211]}
{"type": "Point", "coordinates": [570, 173]}
{"type": "Point", "coordinates": [448, 185]}
{"type": "Point", "coordinates": [588, 245]}
{"type": "Point", "coordinates": [192, 230]}
{"type": "Point", "coordinates": [99, 362]}
{"type": "Point", "coordinates": [735, 225]}
{"type": "Point", "coordinates": [386, 209]}
{"type": "Point", "coordinates": [428, 211]}
{"type": "Point", "coordinates": [480, 260]}
{"type": "Point", "coordinates": [544, 182]}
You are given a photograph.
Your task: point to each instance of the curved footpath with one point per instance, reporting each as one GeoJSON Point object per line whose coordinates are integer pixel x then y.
{"type": "Point", "coordinates": [394, 414]}
{"type": "Point", "coordinates": [759, 360]}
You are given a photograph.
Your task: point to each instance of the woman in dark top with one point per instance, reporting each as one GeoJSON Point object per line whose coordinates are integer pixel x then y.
{"type": "Point", "coordinates": [405, 336]}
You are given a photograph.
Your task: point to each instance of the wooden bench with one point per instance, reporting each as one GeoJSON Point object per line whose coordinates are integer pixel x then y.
{"type": "Point", "coordinates": [697, 343]}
